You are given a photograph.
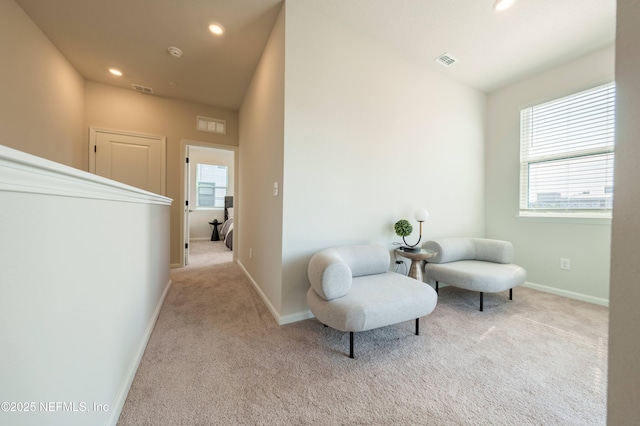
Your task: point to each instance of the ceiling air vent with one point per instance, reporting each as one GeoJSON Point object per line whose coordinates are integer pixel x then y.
{"type": "Point", "coordinates": [142, 89]}
{"type": "Point", "coordinates": [213, 125]}
{"type": "Point", "coordinates": [446, 59]}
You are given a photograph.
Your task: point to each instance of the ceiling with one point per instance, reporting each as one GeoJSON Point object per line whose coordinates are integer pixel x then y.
{"type": "Point", "coordinates": [493, 48]}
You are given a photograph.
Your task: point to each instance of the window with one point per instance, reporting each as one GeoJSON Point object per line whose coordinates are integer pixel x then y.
{"type": "Point", "coordinates": [211, 185]}
{"type": "Point", "coordinates": [566, 155]}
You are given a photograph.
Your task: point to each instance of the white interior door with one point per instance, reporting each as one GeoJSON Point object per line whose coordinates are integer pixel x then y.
{"type": "Point", "coordinates": [135, 159]}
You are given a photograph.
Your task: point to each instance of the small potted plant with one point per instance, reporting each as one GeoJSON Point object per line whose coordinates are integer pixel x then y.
{"type": "Point", "coordinates": [403, 228]}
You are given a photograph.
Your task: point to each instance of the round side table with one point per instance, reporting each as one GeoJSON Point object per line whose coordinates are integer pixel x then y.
{"type": "Point", "coordinates": [415, 271]}
{"type": "Point", "coordinates": [215, 235]}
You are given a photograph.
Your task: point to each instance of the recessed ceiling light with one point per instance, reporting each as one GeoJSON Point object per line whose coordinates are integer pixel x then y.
{"type": "Point", "coordinates": [115, 72]}
{"type": "Point", "coordinates": [216, 28]}
{"type": "Point", "coordinates": [501, 5]}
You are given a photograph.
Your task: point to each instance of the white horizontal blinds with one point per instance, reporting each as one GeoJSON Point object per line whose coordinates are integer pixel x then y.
{"type": "Point", "coordinates": [566, 156]}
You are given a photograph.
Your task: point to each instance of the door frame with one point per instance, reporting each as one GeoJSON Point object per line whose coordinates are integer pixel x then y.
{"type": "Point", "coordinates": [161, 139]}
{"type": "Point", "coordinates": [184, 145]}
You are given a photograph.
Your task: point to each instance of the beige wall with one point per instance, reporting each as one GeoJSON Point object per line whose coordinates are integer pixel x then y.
{"type": "Point", "coordinates": [370, 137]}
{"type": "Point", "coordinates": [46, 109]}
{"type": "Point", "coordinates": [115, 108]}
{"type": "Point", "coordinates": [540, 243]}
{"type": "Point", "coordinates": [258, 222]}
{"type": "Point", "coordinates": [624, 331]}
{"type": "Point", "coordinates": [41, 94]}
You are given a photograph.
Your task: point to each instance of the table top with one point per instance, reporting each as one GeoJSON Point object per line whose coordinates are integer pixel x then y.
{"type": "Point", "coordinates": [422, 254]}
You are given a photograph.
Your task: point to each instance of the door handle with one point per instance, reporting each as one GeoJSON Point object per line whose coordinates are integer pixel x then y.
{"type": "Point", "coordinates": [190, 211]}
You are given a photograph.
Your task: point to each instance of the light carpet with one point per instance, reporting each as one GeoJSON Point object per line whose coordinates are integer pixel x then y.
{"type": "Point", "coordinates": [217, 357]}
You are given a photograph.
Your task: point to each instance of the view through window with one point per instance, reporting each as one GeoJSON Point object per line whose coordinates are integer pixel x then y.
{"type": "Point", "coordinates": [566, 155]}
{"type": "Point", "coordinates": [211, 185]}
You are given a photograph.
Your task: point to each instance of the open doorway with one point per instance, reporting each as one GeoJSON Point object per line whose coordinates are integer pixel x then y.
{"type": "Point", "coordinates": [208, 194]}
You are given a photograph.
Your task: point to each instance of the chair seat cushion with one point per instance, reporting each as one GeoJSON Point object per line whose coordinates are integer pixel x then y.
{"type": "Point", "coordinates": [477, 275]}
{"type": "Point", "coordinates": [375, 301]}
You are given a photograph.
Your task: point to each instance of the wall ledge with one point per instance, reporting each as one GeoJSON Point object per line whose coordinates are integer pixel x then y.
{"type": "Point", "coordinates": [26, 173]}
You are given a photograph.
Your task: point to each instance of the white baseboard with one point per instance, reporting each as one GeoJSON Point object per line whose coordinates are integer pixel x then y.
{"type": "Point", "coordinates": [298, 316]}
{"type": "Point", "coordinates": [175, 265]}
{"type": "Point", "coordinates": [272, 309]}
{"type": "Point", "coordinates": [280, 319]}
{"type": "Point", "coordinates": [566, 293]}
{"type": "Point", "coordinates": [135, 362]}
{"type": "Point", "coordinates": [200, 239]}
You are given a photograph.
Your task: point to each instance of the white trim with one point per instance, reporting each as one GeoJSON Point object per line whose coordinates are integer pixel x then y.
{"type": "Point", "coordinates": [26, 173]}
{"type": "Point", "coordinates": [175, 266]}
{"type": "Point", "coordinates": [200, 239]}
{"type": "Point", "coordinates": [133, 367]}
{"type": "Point", "coordinates": [550, 218]}
{"type": "Point", "coordinates": [569, 294]}
{"type": "Point", "coordinates": [281, 320]}
{"type": "Point", "coordinates": [298, 316]}
{"type": "Point", "coordinates": [556, 291]}
{"type": "Point", "coordinates": [272, 309]}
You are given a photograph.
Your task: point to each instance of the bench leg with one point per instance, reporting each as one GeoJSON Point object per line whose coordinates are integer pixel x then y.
{"type": "Point", "coordinates": [481, 294]}
{"type": "Point", "coordinates": [510, 294]}
{"type": "Point", "coordinates": [436, 287]}
{"type": "Point", "coordinates": [351, 344]}
{"type": "Point", "coordinates": [417, 326]}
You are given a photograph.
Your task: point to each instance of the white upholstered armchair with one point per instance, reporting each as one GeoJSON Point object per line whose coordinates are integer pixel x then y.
{"type": "Point", "coordinates": [352, 290]}
{"type": "Point", "coordinates": [477, 264]}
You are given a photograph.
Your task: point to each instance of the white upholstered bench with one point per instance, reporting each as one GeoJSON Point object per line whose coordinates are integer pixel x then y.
{"type": "Point", "coordinates": [352, 290]}
{"type": "Point", "coordinates": [476, 264]}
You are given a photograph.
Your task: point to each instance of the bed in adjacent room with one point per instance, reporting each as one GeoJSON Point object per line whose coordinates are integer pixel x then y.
{"type": "Point", "coordinates": [227, 227]}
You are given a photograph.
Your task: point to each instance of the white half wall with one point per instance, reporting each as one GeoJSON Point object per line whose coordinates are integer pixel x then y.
{"type": "Point", "coordinates": [540, 243]}
{"type": "Point", "coordinates": [84, 267]}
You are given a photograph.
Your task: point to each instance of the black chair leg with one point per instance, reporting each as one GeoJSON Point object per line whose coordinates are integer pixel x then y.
{"type": "Point", "coordinates": [510, 294]}
{"type": "Point", "coordinates": [351, 344]}
{"type": "Point", "coordinates": [417, 326]}
{"type": "Point", "coordinates": [436, 287]}
{"type": "Point", "coordinates": [481, 294]}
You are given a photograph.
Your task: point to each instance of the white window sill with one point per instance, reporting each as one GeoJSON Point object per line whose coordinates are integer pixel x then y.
{"type": "Point", "coordinates": [585, 219]}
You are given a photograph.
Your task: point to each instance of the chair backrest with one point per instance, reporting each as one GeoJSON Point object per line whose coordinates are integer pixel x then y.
{"type": "Point", "coordinates": [331, 270]}
{"type": "Point", "coordinates": [455, 249]}
{"type": "Point", "coordinates": [497, 251]}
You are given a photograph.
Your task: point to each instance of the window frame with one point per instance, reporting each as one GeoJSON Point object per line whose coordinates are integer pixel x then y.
{"type": "Point", "coordinates": [199, 182]}
{"type": "Point", "coordinates": [525, 210]}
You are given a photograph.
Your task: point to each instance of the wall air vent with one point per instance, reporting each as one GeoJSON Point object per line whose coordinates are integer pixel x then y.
{"type": "Point", "coordinates": [446, 59]}
{"type": "Point", "coordinates": [213, 125]}
{"type": "Point", "coordinates": [142, 89]}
